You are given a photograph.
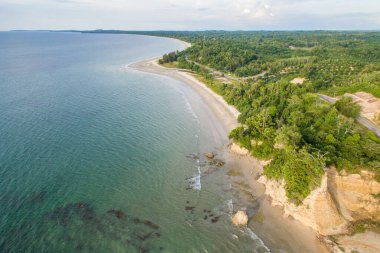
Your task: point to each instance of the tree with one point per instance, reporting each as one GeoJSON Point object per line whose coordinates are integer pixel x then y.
{"type": "Point", "coordinates": [348, 107]}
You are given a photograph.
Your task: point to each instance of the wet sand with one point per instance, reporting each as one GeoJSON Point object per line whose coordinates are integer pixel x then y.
{"type": "Point", "coordinates": [280, 234]}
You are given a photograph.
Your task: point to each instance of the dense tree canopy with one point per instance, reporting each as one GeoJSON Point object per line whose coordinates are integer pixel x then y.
{"type": "Point", "coordinates": [286, 121]}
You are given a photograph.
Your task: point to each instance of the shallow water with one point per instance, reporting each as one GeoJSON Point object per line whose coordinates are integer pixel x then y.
{"type": "Point", "coordinates": [95, 157]}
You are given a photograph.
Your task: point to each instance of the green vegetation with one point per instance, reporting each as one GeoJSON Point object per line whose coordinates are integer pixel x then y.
{"type": "Point", "coordinates": [347, 107]}
{"type": "Point", "coordinates": [334, 62]}
{"type": "Point", "coordinates": [287, 122]}
{"type": "Point", "coordinates": [170, 57]}
{"type": "Point", "coordinates": [363, 226]}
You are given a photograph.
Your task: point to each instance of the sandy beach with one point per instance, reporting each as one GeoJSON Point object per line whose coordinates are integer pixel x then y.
{"type": "Point", "coordinates": [226, 114]}
{"type": "Point", "coordinates": [280, 234]}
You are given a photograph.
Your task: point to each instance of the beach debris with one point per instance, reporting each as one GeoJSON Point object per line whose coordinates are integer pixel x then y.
{"type": "Point", "coordinates": [209, 155]}
{"type": "Point", "coordinates": [240, 218]}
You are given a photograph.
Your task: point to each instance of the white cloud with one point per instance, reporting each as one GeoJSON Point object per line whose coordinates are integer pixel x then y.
{"type": "Point", "coordinates": [189, 14]}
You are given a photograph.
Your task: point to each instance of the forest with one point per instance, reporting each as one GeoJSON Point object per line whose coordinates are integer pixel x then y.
{"type": "Point", "coordinates": [286, 122]}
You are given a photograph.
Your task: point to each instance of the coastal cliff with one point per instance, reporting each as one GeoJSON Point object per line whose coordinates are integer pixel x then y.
{"type": "Point", "coordinates": [341, 200]}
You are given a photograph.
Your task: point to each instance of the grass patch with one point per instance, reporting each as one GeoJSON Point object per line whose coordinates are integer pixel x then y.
{"type": "Point", "coordinates": [363, 226]}
{"type": "Point", "coordinates": [173, 64]}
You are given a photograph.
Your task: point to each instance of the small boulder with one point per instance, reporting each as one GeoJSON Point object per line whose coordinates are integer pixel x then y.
{"type": "Point", "coordinates": [209, 155]}
{"type": "Point", "coordinates": [217, 163]}
{"type": "Point", "coordinates": [240, 218]}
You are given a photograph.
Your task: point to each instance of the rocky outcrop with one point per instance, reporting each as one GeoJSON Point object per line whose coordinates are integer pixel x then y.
{"type": "Point", "coordinates": [240, 151]}
{"type": "Point", "coordinates": [237, 150]}
{"type": "Point", "coordinates": [339, 200]}
{"type": "Point", "coordinates": [240, 218]}
{"type": "Point", "coordinates": [357, 195]}
{"type": "Point", "coordinates": [209, 155]}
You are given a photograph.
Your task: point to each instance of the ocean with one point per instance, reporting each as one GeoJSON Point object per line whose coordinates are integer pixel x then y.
{"type": "Point", "coordinates": [97, 157]}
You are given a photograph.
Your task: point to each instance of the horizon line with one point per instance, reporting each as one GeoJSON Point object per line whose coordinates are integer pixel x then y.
{"type": "Point", "coordinates": [200, 30]}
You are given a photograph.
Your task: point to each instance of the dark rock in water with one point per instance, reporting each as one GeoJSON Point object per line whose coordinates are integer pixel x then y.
{"type": "Point", "coordinates": [118, 213]}
{"type": "Point", "coordinates": [215, 219]}
{"type": "Point", "coordinates": [151, 224]}
{"type": "Point", "coordinates": [209, 171]}
{"type": "Point", "coordinates": [112, 225]}
{"type": "Point", "coordinates": [188, 188]}
{"type": "Point", "coordinates": [205, 218]}
{"type": "Point", "coordinates": [209, 155]}
{"type": "Point", "coordinates": [143, 237]}
{"type": "Point", "coordinates": [84, 210]}
{"type": "Point", "coordinates": [40, 197]}
{"type": "Point", "coordinates": [136, 220]}
{"type": "Point", "coordinates": [80, 205]}
{"type": "Point", "coordinates": [209, 211]}
{"type": "Point", "coordinates": [87, 216]}
{"type": "Point", "coordinates": [204, 210]}
{"type": "Point", "coordinates": [193, 156]}
{"type": "Point", "coordinates": [217, 162]}
{"type": "Point", "coordinates": [64, 214]}
{"type": "Point", "coordinates": [189, 208]}
{"type": "Point", "coordinates": [187, 202]}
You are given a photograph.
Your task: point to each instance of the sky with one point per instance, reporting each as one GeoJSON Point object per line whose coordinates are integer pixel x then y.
{"type": "Point", "coordinates": [190, 14]}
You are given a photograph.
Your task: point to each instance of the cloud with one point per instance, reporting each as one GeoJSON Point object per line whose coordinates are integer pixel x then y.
{"type": "Point", "coordinates": [72, 1]}
{"type": "Point", "coordinates": [189, 14]}
{"type": "Point", "coordinates": [246, 11]}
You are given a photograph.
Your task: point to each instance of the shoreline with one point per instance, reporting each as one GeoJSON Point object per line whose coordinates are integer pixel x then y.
{"type": "Point", "coordinates": [277, 232]}
{"type": "Point", "coordinates": [225, 113]}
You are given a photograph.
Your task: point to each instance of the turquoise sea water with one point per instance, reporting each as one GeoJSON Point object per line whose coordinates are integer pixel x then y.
{"type": "Point", "coordinates": [95, 157]}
